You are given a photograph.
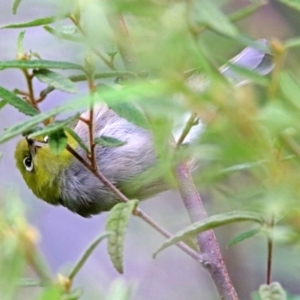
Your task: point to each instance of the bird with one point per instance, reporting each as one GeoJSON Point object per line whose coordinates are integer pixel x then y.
{"type": "Point", "coordinates": [63, 180]}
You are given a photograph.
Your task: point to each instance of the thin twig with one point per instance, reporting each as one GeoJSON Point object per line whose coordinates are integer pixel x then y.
{"type": "Point", "coordinates": [192, 121]}
{"type": "Point", "coordinates": [270, 251]}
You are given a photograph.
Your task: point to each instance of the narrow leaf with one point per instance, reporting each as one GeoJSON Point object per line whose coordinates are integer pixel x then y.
{"type": "Point", "coordinates": [57, 142]}
{"type": "Point", "coordinates": [37, 22]}
{"type": "Point", "coordinates": [20, 43]}
{"type": "Point", "coordinates": [38, 64]}
{"type": "Point", "coordinates": [81, 261]}
{"type": "Point", "coordinates": [17, 102]}
{"type": "Point", "coordinates": [64, 34]}
{"type": "Point", "coordinates": [274, 291]}
{"type": "Point", "coordinates": [108, 141]}
{"type": "Point", "coordinates": [25, 126]}
{"type": "Point", "coordinates": [56, 80]}
{"type": "Point", "coordinates": [54, 126]}
{"type": "Point", "coordinates": [243, 236]}
{"type": "Point", "coordinates": [78, 139]}
{"type": "Point", "coordinates": [129, 112]}
{"type": "Point", "coordinates": [117, 222]}
{"type": "Point", "coordinates": [15, 6]}
{"type": "Point", "coordinates": [2, 103]}
{"type": "Point", "coordinates": [295, 4]}
{"type": "Point", "coordinates": [210, 223]}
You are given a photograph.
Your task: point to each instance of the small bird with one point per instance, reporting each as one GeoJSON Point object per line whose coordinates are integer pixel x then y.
{"type": "Point", "coordinates": [63, 180]}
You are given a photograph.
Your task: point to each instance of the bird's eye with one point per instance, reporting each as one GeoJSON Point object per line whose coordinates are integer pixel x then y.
{"type": "Point", "coordinates": [46, 138]}
{"type": "Point", "coordinates": [28, 163]}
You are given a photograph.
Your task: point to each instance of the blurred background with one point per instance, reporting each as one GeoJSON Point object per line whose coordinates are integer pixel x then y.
{"type": "Point", "coordinates": [63, 235]}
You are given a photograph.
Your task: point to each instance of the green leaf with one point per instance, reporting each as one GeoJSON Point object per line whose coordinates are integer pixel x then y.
{"type": "Point", "coordinates": [119, 290]}
{"type": "Point", "coordinates": [25, 126]}
{"type": "Point", "coordinates": [15, 6]}
{"type": "Point", "coordinates": [50, 292]}
{"type": "Point", "coordinates": [38, 64]}
{"type": "Point", "coordinates": [57, 141]}
{"type": "Point", "coordinates": [129, 112]}
{"type": "Point", "coordinates": [81, 261]}
{"type": "Point", "coordinates": [243, 236]}
{"type": "Point", "coordinates": [207, 13]}
{"type": "Point", "coordinates": [108, 141]}
{"type": "Point", "coordinates": [295, 4]}
{"type": "Point", "coordinates": [274, 291]}
{"type": "Point", "coordinates": [20, 43]}
{"type": "Point", "coordinates": [56, 80]}
{"type": "Point", "coordinates": [64, 33]}
{"type": "Point", "coordinates": [117, 222]}
{"type": "Point", "coordinates": [17, 102]}
{"type": "Point", "coordinates": [37, 22]}
{"type": "Point", "coordinates": [78, 139]}
{"type": "Point", "coordinates": [54, 126]}
{"type": "Point", "coordinates": [2, 103]}
{"type": "Point", "coordinates": [74, 295]}
{"type": "Point", "coordinates": [210, 223]}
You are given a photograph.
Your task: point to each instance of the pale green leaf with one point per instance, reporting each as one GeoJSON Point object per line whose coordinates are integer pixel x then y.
{"type": "Point", "coordinates": [295, 4]}
{"type": "Point", "coordinates": [77, 138]}
{"type": "Point", "coordinates": [20, 43]}
{"type": "Point", "coordinates": [89, 250]}
{"type": "Point", "coordinates": [54, 126]}
{"type": "Point", "coordinates": [274, 291]}
{"type": "Point", "coordinates": [207, 13]}
{"type": "Point", "coordinates": [55, 80]}
{"type": "Point", "coordinates": [15, 6]}
{"type": "Point", "coordinates": [57, 142]}
{"type": "Point", "coordinates": [64, 33]}
{"type": "Point", "coordinates": [38, 64]}
{"type": "Point", "coordinates": [210, 223]}
{"type": "Point", "coordinates": [243, 236]}
{"type": "Point", "coordinates": [108, 141]}
{"type": "Point", "coordinates": [17, 102]}
{"type": "Point", "coordinates": [117, 222]}
{"type": "Point", "coordinates": [33, 23]}
{"type": "Point", "coordinates": [25, 126]}
{"type": "Point", "coordinates": [2, 103]}
{"type": "Point", "coordinates": [119, 290]}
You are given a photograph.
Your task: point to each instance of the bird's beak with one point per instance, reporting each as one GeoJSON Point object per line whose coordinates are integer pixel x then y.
{"type": "Point", "coordinates": [33, 145]}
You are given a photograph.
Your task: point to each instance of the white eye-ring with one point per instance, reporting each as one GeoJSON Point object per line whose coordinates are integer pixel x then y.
{"type": "Point", "coordinates": [28, 163]}
{"type": "Point", "coordinates": [46, 138]}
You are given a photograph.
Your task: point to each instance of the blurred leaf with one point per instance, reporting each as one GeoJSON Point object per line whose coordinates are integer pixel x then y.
{"type": "Point", "coordinates": [108, 141]}
{"type": "Point", "coordinates": [54, 126]}
{"type": "Point", "coordinates": [2, 103]}
{"type": "Point", "coordinates": [129, 112]}
{"type": "Point", "coordinates": [274, 291]}
{"type": "Point", "coordinates": [38, 64]}
{"type": "Point", "coordinates": [15, 6]}
{"type": "Point", "coordinates": [293, 42]}
{"type": "Point", "coordinates": [295, 4]}
{"type": "Point", "coordinates": [243, 236]}
{"type": "Point", "coordinates": [207, 13]}
{"type": "Point", "coordinates": [117, 222]}
{"type": "Point", "coordinates": [65, 32]}
{"type": "Point", "coordinates": [210, 223]}
{"type": "Point", "coordinates": [37, 22]}
{"type": "Point", "coordinates": [74, 295]}
{"type": "Point", "coordinates": [77, 138]}
{"type": "Point", "coordinates": [25, 126]}
{"type": "Point", "coordinates": [88, 251]}
{"type": "Point", "coordinates": [56, 80]}
{"type": "Point", "coordinates": [290, 88]}
{"type": "Point", "coordinates": [53, 292]}
{"type": "Point", "coordinates": [17, 102]}
{"type": "Point", "coordinates": [119, 290]}
{"type": "Point", "coordinates": [20, 43]}
{"type": "Point", "coordinates": [57, 141]}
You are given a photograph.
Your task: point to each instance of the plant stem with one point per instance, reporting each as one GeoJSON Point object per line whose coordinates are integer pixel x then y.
{"type": "Point", "coordinates": [270, 251]}
{"type": "Point", "coordinates": [189, 124]}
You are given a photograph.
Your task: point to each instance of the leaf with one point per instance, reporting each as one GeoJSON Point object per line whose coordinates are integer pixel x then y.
{"type": "Point", "coordinates": [243, 236]}
{"type": "Point", "coordinates": [81, 261]}
{"type": "Point", "coordinates": [108, 141]}
{"type": "Point", "coordinates": [117, 222]}
{"type": "Point", "coordinates": [15, 6]}
{"type": "Point", "coordinates": [36, 22]}
{"type": "Point", "coordinates": [38, 64]}
{"type": "Point", "coordinates": [78, 139]}
{"type": "Point", "coordinates": [25, 126]}
{"type": "Point", "coordinates": [206, 13]}
{"type": "Point", "coordinates": [20, 43]}
{"type": "Point", "coordinates": [129, 112]}
{"type": "Point", "coordinates": [2, 103]}
{"type": "Point", "coordinates": [17, 102]}
{"type": "Point", "coordinates": [56, 80]}
{"type": "Point", "coordinates": [57, 141]}
{"type": "Point", "coordinates": [295, 4]}
{"type": "Point", "coordinates": [74, 295]}
{"type": "Point", "coordinates": [64, 33]}
{"type": "Point", "coordinates": [54, 126]}
{"type": "Point", "coordinates": [274, 291]}
{"type": "Point", "coordinates": [210, 223]}
{"type": "Point", "coordinates": [119, 290]}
